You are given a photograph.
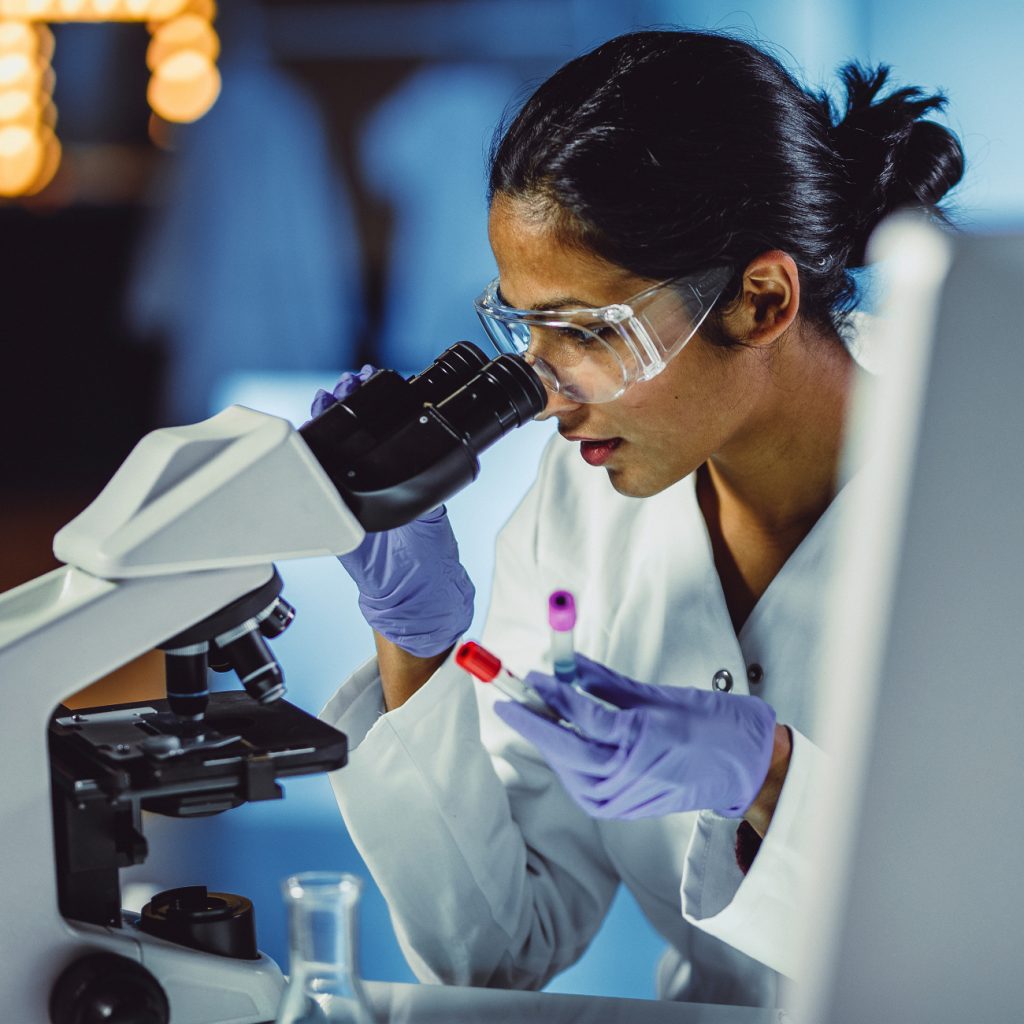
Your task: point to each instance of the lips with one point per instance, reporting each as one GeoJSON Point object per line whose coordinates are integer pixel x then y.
{"type": "Point", "coordinates": [596, 451]}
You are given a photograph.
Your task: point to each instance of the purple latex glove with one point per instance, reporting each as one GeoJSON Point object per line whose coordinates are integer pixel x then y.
{"type": "Point", "coordinates": [670, 748]}
{"type": "Point", "coordinates": [347, 383]}
{"type": "Point", "coordinates": [413, 589]}
{"type": "Point", "coordinates": [412, 586]}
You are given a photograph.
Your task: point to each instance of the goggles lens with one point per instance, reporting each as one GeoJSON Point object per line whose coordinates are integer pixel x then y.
{"type": "Point", "coordinates": [593, 355]}
{"type": "Point", "coordinates": [572, 358]}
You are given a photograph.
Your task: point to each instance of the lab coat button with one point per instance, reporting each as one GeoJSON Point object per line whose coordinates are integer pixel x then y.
{"type": "Point", "coordinates": [722, 680]}
{"type": "Point", "coordinates": [755, 673]}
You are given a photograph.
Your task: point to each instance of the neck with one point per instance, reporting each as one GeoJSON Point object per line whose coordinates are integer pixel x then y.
{"type": "Point", "coordinates": [780, 471]}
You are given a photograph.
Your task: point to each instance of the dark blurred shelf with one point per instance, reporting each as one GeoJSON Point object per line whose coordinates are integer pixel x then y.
{"type": "Point", "coordinates": [430, 29]}
{"type": "Point", "coordinates": [76, 391]}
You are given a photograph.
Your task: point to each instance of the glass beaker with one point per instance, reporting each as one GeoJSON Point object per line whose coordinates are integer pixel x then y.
{"type": "Point", "coordinates": [324, 986]}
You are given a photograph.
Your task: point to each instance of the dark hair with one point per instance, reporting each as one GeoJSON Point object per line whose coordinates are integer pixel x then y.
{"type": "Point", "coordinates": [668, 152]}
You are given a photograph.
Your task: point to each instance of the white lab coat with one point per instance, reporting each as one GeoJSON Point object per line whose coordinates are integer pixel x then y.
{"type": "Point", "coordinates": [492, 874]}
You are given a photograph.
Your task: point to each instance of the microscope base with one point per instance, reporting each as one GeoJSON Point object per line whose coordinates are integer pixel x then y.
{"type": "Point", "coordinates": [202, 988]}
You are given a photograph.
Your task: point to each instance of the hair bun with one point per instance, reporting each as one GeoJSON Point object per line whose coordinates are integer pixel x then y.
{"type": "Point", "coordinates": [890, 158]}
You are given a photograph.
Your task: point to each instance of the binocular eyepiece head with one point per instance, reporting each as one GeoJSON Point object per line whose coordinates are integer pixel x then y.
{"type": "Point", "coordinates": [396, 448]}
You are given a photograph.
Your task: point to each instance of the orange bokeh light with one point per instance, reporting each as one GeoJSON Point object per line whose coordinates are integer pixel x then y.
{"type": "Point", "coordinates": [91, 10]}
{"type": "Point", "coordinates": [20, 71]}
{"type": "Point", "coordinates": [105, 9]}
{"type": "Point", "coordinates": [21, 158]}
{"type": "Point", "coordinates": [184, 83]}
{"type": "Point", "coordinates": [161, 10]}
{"type": "Point", "coordinates": [18, 106]}
{"type": "Point", "coordinates": [48, 165]}
{"type": "Point", "coordinates": [45, 43]}
{"type": "Point", "coordinates": [184, 87]}
{"type": "Point", "coordinates": [71, 8]}
{"type": "Point", "coordinates": [19, 37]}
{"type": "Point", "coordinates": [188, 32]}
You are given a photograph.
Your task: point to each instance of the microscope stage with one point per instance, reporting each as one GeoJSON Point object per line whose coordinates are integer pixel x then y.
{"type": "Point", "coordinates": [142, 753]}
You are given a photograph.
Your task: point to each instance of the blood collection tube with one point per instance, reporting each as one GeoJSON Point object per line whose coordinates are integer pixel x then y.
{"type": "Point", "coordinates": [479, 662]}
{"type": "Point", "coordinates": [562, 619]}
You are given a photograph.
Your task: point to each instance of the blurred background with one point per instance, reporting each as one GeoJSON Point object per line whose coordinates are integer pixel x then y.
{"type": "Point", "coordinates": [201, 206]}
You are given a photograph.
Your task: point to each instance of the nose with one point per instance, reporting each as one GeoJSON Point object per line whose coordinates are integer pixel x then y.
{"type": "Point", "coordinates": [557, 404]}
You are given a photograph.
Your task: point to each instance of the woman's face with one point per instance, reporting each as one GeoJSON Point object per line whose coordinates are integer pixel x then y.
{"type": "Point", "coordinates": [660, 430]}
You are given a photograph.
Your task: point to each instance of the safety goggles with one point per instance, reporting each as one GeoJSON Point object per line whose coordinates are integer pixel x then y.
{"type": "Point", "coordinates": [593, 355]}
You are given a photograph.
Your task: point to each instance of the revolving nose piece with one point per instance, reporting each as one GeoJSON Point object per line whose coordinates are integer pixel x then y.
{"type": "Point", "coordinates": [187, 692]}
{"type": "Point", "coordinates": [255, 665]}
{"type": "Point", "coordinates": [218, 660]}
{"type": "Point", "coordinates": [278, 620]}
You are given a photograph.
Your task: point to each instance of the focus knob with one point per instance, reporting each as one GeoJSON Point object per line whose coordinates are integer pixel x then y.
{"type": "Point", "coordinates": [104, 988]}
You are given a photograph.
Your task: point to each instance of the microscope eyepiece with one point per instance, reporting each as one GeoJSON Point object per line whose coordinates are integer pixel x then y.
{"type": "Point", "coordinates": [395, 448]}
{"type": "Point", "coordinates": [449, 371]}
{"type": "Point", "coordinates": [504, 394]}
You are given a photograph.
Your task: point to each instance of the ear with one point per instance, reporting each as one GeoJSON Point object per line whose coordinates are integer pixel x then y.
{"type": "Point", "coordinates": [768, 302]}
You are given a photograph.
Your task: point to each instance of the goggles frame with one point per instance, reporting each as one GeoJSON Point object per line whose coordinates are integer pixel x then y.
{"type": "Point", "coordinates": [641, 352]}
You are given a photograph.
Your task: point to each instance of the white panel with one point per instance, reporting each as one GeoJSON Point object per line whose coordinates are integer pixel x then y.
{"type": "Point", "coordinates": [925, 922]}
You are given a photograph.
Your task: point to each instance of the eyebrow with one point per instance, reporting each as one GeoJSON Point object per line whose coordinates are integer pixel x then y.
{"type": "Point", "coordinates": [560, 302]}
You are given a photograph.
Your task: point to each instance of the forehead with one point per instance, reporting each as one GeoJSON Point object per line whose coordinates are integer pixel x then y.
{"type": "Point", "coordinates": [539, 269]}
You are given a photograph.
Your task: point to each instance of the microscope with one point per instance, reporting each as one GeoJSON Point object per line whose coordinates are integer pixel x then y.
{"type": "Point", "coordinates": [177, 552]}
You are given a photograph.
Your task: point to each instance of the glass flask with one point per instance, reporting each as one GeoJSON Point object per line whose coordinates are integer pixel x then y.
{"type": "Point", "coordinates": [324, 986]}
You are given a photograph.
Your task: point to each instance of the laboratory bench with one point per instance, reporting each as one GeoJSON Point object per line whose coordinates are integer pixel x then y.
{"type": "Point", "coordinates": [435, 1004]}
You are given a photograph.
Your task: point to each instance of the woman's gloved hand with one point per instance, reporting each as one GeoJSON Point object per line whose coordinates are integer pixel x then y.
{"type": "Point", "coordinates": [670, 748]}
{"type": "Point", "coordinates": [413, 589]}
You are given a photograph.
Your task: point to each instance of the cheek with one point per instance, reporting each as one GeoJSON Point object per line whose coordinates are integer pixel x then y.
{"type": "Point", "coordinates": [680, 408]}
{"type": "Point", "coordinates": [679, 418]}
{"type": "Point", "coordinates": [671, 401]}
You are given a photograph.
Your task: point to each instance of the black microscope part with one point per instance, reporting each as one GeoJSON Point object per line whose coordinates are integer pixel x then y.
{"type": "Point", "coordinates": [255, 665]}
{"type": "Point", "coordinates": [247, 621]}
{"type": "Point", "coordinates": [187, 690]}
{"type": "Point", "coordinates": [109, 764]}
{"type": "Point", "coordinates": [278, 619]}
{"type": "Point", "coordinates": [248, 606]}
{"type": "Point", "coordinates": [214, 922]}
{"type": "Point", "coordinates": [505, 394]}
{"type": "Point", "coordinates": [107, 987]}
{"type": "Point", "coordinates": [446, 374]}
{"type": "Point", "coordinates": [393, 455]}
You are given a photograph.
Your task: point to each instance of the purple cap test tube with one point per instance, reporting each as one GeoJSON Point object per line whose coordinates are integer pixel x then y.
{"type": "Point", "coordinates": [562, 619]}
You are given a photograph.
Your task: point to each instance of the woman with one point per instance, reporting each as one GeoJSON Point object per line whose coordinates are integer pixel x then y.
{"type": "Point", "coordinates": [688, 177]}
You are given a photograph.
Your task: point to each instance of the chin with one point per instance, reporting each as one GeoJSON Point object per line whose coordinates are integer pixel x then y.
{"type": "Point", "coordinates": [627, 484]}
{"type": "Point", "coordinates": [627, 480]}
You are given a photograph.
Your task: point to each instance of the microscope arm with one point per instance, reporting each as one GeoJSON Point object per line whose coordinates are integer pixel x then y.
{"type": "Point", "coordinates": [241, 488]}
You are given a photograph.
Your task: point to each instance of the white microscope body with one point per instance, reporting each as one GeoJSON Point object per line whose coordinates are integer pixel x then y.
{"type": "Point", "coordinates": [191, 522]}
